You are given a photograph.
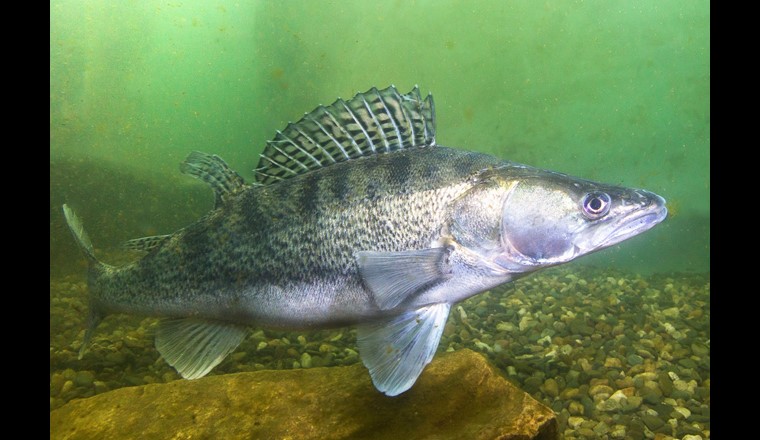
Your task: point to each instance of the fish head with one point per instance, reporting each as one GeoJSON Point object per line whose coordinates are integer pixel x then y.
{"type": "Point", "coordinates": [550, 218]}
{"type": "Point", "coordinates": [520, 219]}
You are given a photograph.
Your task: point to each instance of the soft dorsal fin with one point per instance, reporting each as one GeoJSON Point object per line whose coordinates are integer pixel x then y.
{"type": "Point", "coordinates": [373, 122]}
{"type": "Point", "coordinates": [211, 169]}
{"type": "Point", "coordinates": [146, 244]}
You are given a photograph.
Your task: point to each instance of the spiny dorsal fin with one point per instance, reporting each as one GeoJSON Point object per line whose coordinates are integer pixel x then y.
{"type": "Point", "coordinates": [211, 169]}
{"type": "Point", "coordinates": [377, 121]}
{"type": "Point", "coordinates": [145, 244]}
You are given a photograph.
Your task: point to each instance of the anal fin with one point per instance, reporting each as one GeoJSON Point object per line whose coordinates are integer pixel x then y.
{"type": "Point", "coordinates": [396, 350]}
{"type": "Point", "coordinates": [195, 346]}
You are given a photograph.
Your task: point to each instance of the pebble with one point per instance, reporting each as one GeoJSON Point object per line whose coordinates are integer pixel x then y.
{"type": "Point", "coordinates": [631, 404]}
{"type": "Point", "coordinates": [651, 395]}
{"type": "Point", "coordinates": [533, 384]}
{"type": "Point", "coordinates": [100, 387]}
{"type": "Point", "coordinates": [652, 422]}
{"type": "Point", "coordinates": [666, 384]}
{"type": "Point", "coordinates": [306, 360]}
{"type": "Point", "coordinates": [601, 429]}
{"type": "Point", "coordinates": [575, 422]}
{"type": "Point", "coordinates": [584, 364]}
{"type": "Point", "coordinates": [600, 390]}
{"type": "Point", "coordinates": [56, 383]}
{"type": "Point", "coordinates": [634, 359]}
{"type": "Point", "coordinates": [84, 379]}
{"type": "Point", "coordinates": [619, 360]}
{"type": "Point", "coordinates": [569, 393]}
{"type": "Point", "coordinates": [327, 348]}
{"type": "Point", "coordinates": [699, 349]}
{"type": "Point", "coordinates": [576, 408]}
{"type": "Point", "coordinates": [550, 387]}
{"type": "Point", "coordinates": [684, 412]}
{"type": "Point", "coordinates": [237, 356]}
{"type": "Point", "coordinates": [67, 386]}
{"type": "Point", "coordinates": [617, 431]}
{"type": "Point", "coordinates": [526, 322]}
{"type": "Point", "coordinates": [579, 326]}
{"type": "Point", "coordinates": [686, 387]}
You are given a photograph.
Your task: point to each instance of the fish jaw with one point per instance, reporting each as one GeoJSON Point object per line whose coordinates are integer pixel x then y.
{"type": "Point", "coordinates": [650, 211]}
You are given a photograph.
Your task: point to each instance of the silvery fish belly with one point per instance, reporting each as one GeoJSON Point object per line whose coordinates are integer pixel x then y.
{"type": "Point", "coordinates": [356, 217]}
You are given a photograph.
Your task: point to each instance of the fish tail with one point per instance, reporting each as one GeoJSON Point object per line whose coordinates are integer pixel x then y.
{"type": "Point", "coordinates": [95, 267]}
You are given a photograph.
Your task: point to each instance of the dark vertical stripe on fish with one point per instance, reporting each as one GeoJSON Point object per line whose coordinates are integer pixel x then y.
{"type": "Point", "coordinates": [401, 169]}
{"type": "Point", "coordinates": [310, 193]}
{"type": "Point", "coordinates": [340, 187]}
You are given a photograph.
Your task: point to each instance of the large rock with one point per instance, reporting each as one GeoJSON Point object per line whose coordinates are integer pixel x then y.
{"type": "Point", "coordinates": [459, 395]}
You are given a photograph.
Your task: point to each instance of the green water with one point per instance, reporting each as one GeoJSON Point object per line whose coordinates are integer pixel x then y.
{"type": "Point", "coordinates": [610, 90]}
{"type": "Point", "coordinates": [615, 91]}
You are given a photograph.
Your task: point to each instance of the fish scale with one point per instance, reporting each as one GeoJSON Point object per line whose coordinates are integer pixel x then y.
{"type": "Point", "coordinates": [356, 217]}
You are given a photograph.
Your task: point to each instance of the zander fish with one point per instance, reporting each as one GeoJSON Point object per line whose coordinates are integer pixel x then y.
{"type": "Point", "coordinates": [356, 217]}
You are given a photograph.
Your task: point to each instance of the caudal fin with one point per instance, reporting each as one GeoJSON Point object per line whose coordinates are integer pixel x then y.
{"type": "Point", "coordinates": [76, 227]}
{"type": "Point", "coordinates": [79, 234]}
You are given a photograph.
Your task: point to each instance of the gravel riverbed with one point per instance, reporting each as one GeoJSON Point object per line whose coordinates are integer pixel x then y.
{"type": "Point", "coordinates": [616, 355]}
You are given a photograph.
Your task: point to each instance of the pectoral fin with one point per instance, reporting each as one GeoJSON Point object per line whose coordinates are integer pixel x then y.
{"type": "Point", "coordinates": [394, 276]}
{"type": "Point", "coordinates": [397, 349]}
{"type": "Point", "coordinates": [195, 346]}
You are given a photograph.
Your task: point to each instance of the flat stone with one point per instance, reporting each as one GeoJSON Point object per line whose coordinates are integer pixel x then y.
{"type": "Point", "coordinates": [634, 359]}
{"type": "Point", "coordinates": [600, 389]}
{"type": "Point", "coordinates": [569, 393]}
{"type": "Point", "coordinates": [579, 326]}
{"type": "Point", "coordinates": [576, 408]}
{"type": "Point", "coordinates": [651, 396]}
{"type": "Point", "coordinates": [652, 422]}
{"type": "Point", "coordinates": [550, 387]}
{"type": "Point", "coordinates": [699, 349]}
{"type": "Point", "coordinates": [666, 384]}
{"type": "Point", "coordinates": [613, 362]}
{"type": "Point", "coordinates": [459, 395]}
{"type": "Point", "coordinates": [575, 422]}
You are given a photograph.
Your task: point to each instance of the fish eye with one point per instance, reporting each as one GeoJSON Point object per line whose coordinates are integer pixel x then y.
{"type": "Point", "coordinates": [596, 205]}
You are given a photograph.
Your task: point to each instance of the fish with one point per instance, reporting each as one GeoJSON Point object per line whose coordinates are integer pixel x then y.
{"type": "Point", "coordinates": [356, 217]}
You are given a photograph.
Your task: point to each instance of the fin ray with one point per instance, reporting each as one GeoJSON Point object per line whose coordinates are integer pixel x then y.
{"type": "Point", "coordinates": [376, 121]}
{"type": "Point", "coordinates": [195, 346]}
{"type": "Point", "coordinates": [94, 315]}
{"type": "Point", "coordinates": [213, 170]}
{"type": "Point", "coordinates": [146, 244]}
{"type": "Point", "coordinates": [394, 276]}
{"type": "Point", "coordinates": [77, 229]}
{"type": "Point", "coordinates": [395, 351]}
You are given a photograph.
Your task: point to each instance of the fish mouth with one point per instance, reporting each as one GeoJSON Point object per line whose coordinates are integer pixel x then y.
{"type": "Point", "coordinates": [636, 222]}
